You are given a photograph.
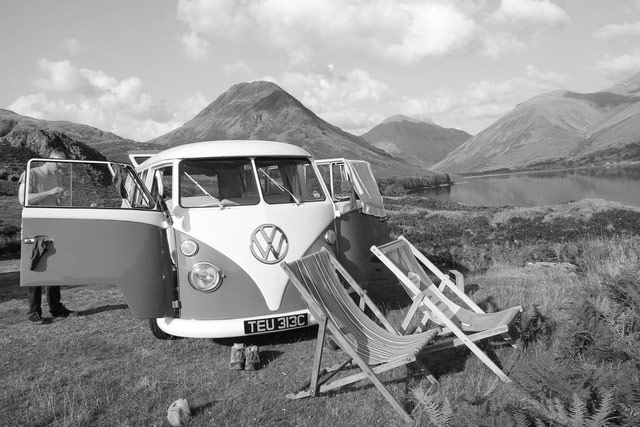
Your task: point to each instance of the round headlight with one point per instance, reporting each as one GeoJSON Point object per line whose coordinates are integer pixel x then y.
{"type": "Point", "coordinates": [205, 277]}
{"type": "Point", "coordinates": [330, 237]}
{"type": "Point", "coordinates": [189, 248]}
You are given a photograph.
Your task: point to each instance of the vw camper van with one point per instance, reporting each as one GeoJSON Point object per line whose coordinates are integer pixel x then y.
{"type": "Point", "coordinates": [193, 235]}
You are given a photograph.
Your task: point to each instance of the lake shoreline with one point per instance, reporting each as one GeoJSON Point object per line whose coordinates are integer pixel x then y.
{"type": "Point", "coordinates": [455, 178]}
{"type": "Point", "coordinates": [617, 182]}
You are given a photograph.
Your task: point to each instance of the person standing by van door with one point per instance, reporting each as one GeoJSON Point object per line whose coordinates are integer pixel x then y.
{"type": "Point", "coordinates": [45, 189]}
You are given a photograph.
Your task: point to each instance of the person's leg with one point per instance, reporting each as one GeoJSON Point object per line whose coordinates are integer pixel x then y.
{"type": "Point", "coordinates": [56, 308]}
{"type": "Point", "coordinates": [34, 295]}
{"type": "Point", "coordinates": [53, 298]}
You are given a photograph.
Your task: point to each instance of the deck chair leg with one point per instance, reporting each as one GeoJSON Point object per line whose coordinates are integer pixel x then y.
{"type": "Point", "coordinates": [317, 358]}
{"type": "Point", "coordinates": [515, 355]}
{"type": "Point", "coordinates": [369, 373]}
{"type": "Point", "coordinates": [485, 359]}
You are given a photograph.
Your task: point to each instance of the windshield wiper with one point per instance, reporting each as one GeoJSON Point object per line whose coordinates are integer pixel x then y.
{"type": "Point", "coordinates": [280, 186]}
{"type": "Point", "coordinates": [216, 201]}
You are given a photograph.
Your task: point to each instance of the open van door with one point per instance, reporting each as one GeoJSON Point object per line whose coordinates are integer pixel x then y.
{"type": "Point", "coordinates": [360, 215]}
{"type": "Point", "coordinates": [103, 228]}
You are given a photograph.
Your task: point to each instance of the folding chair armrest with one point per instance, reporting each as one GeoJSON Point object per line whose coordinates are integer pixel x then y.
{"type": "Point", "coordinates": [459, 279]}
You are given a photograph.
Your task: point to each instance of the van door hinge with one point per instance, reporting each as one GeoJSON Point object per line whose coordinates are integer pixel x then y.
{"type": "Point", "coordinates": [176, 304]}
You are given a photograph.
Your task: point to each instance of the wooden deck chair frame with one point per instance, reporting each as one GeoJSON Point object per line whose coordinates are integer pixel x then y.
{"type": "Point", "coordinates": [341, 332]}
{"type": "Point", "coordinates": [422, 301]}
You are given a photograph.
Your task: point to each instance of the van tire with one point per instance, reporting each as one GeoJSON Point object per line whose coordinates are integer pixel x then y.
{"type": "Point", "coordinates": [159, 333]}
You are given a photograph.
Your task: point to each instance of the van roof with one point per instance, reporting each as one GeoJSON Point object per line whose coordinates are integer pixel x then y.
{"type": "Point", "coordinates": [228, 148]}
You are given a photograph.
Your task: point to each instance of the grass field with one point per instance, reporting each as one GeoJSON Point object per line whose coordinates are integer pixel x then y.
{"type": "Point", "coordinates": [580, 331]}
{"type": "Point", "coordinates": [10, 214]}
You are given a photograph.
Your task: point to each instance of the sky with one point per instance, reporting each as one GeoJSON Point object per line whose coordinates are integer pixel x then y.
{"type": "Point", "coordinates": [140, 68]}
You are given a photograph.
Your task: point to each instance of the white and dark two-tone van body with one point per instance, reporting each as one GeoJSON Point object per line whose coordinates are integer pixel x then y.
{"type": "Point", "coordinates": [193, 236]}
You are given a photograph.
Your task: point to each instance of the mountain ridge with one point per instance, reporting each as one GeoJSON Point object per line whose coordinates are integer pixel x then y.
{"type": "Point", "coordinates": [263, 110]}
{"type": "Point", "coordinates": [559, 127]}
{"type": "Point", "coordinates": [419, 142]}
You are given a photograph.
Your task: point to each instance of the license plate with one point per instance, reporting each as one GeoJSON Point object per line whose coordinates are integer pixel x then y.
{"type": "Point", "coordinates": [271, 324]}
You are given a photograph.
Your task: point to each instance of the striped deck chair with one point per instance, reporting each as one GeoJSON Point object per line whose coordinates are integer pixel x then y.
{"type": "Point", "coordinates": [370, 346]}
{"type": "Point", "coordinates": [467, 325]}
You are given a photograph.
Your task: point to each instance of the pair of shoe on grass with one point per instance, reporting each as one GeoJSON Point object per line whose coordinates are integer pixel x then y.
{"type": "Point", "coordinates": [37, 319]}
{"type": "Point", "coordinates": [246, 358]}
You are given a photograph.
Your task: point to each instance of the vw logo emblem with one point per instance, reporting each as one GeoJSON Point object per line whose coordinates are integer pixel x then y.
{"type": "Point", "coordinates": [269, 244]}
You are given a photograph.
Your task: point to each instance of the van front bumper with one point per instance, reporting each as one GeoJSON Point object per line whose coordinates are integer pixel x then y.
{"type": "Point", "coordinates": [227, 328]}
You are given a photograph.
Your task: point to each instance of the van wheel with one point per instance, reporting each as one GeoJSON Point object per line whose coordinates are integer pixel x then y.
{"type": "Point", "coordinates": [159, 333]}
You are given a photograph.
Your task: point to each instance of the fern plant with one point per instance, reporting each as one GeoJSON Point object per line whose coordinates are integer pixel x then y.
{"type": "Point", "coordinates": [436, 407]}
{"type": "Point", "coordinates": [577, 414]}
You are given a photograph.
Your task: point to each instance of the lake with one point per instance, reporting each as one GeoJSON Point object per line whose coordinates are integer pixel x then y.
{"type": "Point", "coordinates": [615, 183]}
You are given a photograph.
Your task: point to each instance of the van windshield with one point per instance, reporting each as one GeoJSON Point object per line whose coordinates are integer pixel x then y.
{"type": "Point", "coordinates": [217, 182]}
{"type": "Point", "coordinates": [232, 182]}
{"type": "Point", "coordinates": [288, 180]}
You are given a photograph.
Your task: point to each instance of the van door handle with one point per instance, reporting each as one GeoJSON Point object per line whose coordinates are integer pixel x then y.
{"type": "Point", "coordinates": [32, 240]}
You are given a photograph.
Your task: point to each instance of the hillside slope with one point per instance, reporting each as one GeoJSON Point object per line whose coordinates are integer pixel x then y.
{"type": "Point", "coordinates": [419, 142]}
{"type": "Point", "coordinates": [262, 110]}
{"type": "Point", "coordinates": [82, 141]}
{"type": "Point", "coordinates": [560, 126]}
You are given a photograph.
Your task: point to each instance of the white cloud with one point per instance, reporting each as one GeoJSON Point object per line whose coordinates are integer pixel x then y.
{"type": "Point", "coordinates": [617, 31]}
{"type": "Point", "coordinates": [616, 68]}
{"type": "Point", "coordinates": [540, 12]}
{"type": "Point", "coordinates": [195, 46]}
{"type": "Point", "coordinates": [434, 30]}
{"type": "Point", "coordinates": [60, 76]}
{"type": "Point", "coordinates": [399, 30]}
{"type": "Point", "coordinates": [482, 102]}
{"type": "Point", "coordinates": [340, 99]}
{"type": "Point", "coordinates": [352, 100]}
{"type": "Point", "coordinates": [92, 97]}
{"type": "Point", "coordinates": [298, 33]}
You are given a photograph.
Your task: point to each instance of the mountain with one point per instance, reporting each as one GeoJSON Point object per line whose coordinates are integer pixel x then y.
{"type": "Point", "coordinates": [422, 143]}
{"type": "Point", "coordinates": [262, 110]}
{"type": "Point", "coordinates": [560, 127]}
{"type": "Point", "coordinates": [38, 137]}
{"type": "Point", "coordinates": [403, 118]}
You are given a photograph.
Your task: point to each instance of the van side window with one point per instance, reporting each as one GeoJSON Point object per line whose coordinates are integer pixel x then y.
{"type": "Point", "coordinates": [217, 182]}
{"type": "Point", "coordinates": [162, 182]}
{"type": "Point", "coordinates": [90, 184]}
{"type": "Point", "coordinates": [339, 175]}
{"type": "Point", "coordinates": [325, 174]}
